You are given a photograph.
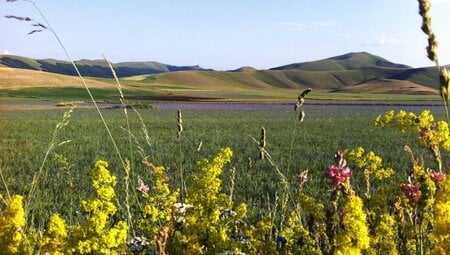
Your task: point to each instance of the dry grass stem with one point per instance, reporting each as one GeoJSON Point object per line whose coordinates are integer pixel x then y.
{"type": "Point", "coordinates": [179, 123]}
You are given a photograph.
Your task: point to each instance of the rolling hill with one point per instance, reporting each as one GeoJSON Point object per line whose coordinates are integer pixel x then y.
{"type": "Point", "coordinates": [92, 68]}
{"type": "Point", "coordinates": [329, 74]}
{"type": "Point", "coordinates": [359, 72]}
{"type": "Point", "coordinates": [15, 78]}
{"type": "Point", "coordinates": [349, 61]}
{"type": "Point", "coordinates": [388, 86]}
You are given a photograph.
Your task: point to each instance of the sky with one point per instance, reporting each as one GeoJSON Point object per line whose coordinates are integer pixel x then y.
{"type": "Point", "coordinates": [225, 35]}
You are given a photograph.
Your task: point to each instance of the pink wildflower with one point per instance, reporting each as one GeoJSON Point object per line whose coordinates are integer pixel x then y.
{"type": "Point", "coordinates": [437, 176]}
{"type": "Point", "coordinates": [142, 187]}
{"type": "Point", "coordinates": [412, 191]}
{"type": "Point", "coordinates": [339, 173]}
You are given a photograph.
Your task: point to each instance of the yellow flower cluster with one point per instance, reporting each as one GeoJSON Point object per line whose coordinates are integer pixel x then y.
{"type": "Point", "coordinates": [401, 121]}
{"type": "Point", "coordinates": [439, 135]}
{"type": "Point", "coordinates": [369, 161]}
{"type": "Point", "coordinates": [293, 231]}
{"type": "Point", "coordinates": [383, 225]}
{"type": "Point", "coordinates": [97, 236]}
{"type": "Point", "coordinates": [158, 210]}
{"type": "Point", "coordinates": [440, 236]}
{"type": "Point", "coordinates": [259, 239]}
{"type": "Point", "coordinates": [384, 235]}
{"type": "Point", "coordinates": [354, 239]}
{"type": "Point", "coordinates": [207, 228]}
{"type": "Point", "coordinates": [431, 133]}
{"type": "Point", "coordinates": [54, 239]}
{"type": "Point", "coordinates": [12, 222]}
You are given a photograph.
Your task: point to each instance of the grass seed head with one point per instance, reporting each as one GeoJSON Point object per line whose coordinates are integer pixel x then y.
{"type": "Point", "coordinates": [262, 144]}
{"type": "Point", "coordinates": [301, 116]}
{"type": "Point", "coordinates": [424, 11]}
{"type": "Point", "coordinates": [262, 140]}
{"type": "Point", "coordinates": [432, 47]}
{"type": "Point", "coordinates": [304, 93]}
{"type": "Point", "coordinates": [180, 123]}
{"type": "Point", "coordinates": [444, 76]}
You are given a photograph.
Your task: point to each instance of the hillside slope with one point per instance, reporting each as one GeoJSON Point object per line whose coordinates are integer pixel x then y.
{"type": "Point", "coordinates": [292, 79]}
{"type": "Point", "coordinates": [389, 86]}
{"type": "Point", "coordinates": [92, 68]}
{"type": "Point", "coordinates": [14, 78]}
{"type": "Point", "coordinates": [347, 61]}
{"type": "Point", "coordinates": [354, 72]}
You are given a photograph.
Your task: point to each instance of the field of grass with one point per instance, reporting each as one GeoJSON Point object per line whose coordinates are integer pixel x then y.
{"type": "Point", "coordinates": [69, 94]}
{"type": "Point", "coordinates": [294, 146]}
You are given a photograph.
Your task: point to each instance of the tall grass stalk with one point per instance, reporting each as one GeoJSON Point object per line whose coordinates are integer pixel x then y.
{"type": "Point", "coordinates": [129, 166]}
{"type": "Point", "coordinates": [64, 122]}
{"type": "Point", "coordinates": [127, 197]}
{"type": "Point", "coordinates": [265, 155]}
{"type": "Point", "coordinates": [298, 107]}
{"type": "Point", "coordinates": [122, 101]}
{"type": "Point", "coordinates": [49, 27]}
{"type": "Point", "coordinates": [183, 188]}
{"type": "Point", "coordinates": [5, 185]}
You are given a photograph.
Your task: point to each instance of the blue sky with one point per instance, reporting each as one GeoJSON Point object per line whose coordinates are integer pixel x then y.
{"type": "Point", "coordinates": [226, 34]}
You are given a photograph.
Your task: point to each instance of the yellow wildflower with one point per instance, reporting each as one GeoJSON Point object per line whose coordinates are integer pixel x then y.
{"type": "Point", "coordinates": [54, 240]}
{"type": "Point", "coordinates": [209, 225]}
{"type": "Point", "coordinates": [354, 239]}
{"type": "Point", "coordinates": [159, 208]}
{"type": "Point", "coordinates": [384, 239]}
{"type": "Point", "coordinates": [369, 161]}
{"type": "Point", "coordinates": [440, 236]}
{"type": "Point", "coordinates": [404, 121]}
{"type": "Point", "coordinates": [96, 236]}
{"type": "Point", "coordinates": [12, 222]}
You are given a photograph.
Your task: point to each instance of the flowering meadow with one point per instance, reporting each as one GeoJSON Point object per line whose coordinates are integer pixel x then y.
{"type": "Point", "coordinates": [364, 205]}
{"type": "Point", "coordinates": [295, 185]}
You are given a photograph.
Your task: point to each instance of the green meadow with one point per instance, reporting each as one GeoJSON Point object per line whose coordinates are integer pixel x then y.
{"type": "Point", "coordinates": [69, 94]}
{"type": "Point", "coordinates": [294, 147]}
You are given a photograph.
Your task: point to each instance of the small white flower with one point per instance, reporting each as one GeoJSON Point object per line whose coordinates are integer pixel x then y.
{"type": "Point", "coordinates": [182, 207]}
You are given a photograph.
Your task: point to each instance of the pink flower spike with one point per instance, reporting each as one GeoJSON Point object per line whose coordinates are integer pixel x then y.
{"type": "Point", "coordinates": [412, 191]}
{"type": "Point", "coordinates": [338, 175]}
{"type": "Point", "coordinates": [437, 176]}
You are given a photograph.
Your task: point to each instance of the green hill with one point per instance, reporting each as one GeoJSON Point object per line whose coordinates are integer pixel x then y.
{"type": "Point", "coordinates": [91, 68]}
{"type": "Point", "coordinates": [245, 69]}
{"type": "Point", "coordinates": [427, 76]}
{"type": "Point", "coordinates": [350, 73]}
{"type": "Point", "coordinates": [348, 61]}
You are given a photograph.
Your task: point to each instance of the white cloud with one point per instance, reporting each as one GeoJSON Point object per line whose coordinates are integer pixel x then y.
{"type": "Point", "coordinates": [6, 52]}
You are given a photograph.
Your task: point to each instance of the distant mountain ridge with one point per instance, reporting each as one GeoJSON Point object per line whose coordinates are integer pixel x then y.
{"type": "Point", "coordinates": [92, 68]}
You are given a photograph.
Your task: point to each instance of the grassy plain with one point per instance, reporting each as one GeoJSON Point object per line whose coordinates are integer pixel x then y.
{"type": "Point", "coordinates": [69, 94]}
{"type": "Point", "coordinates": [294, 146]}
